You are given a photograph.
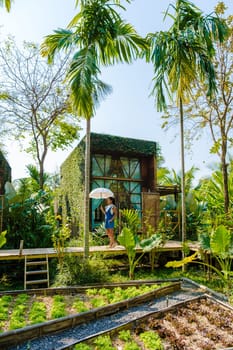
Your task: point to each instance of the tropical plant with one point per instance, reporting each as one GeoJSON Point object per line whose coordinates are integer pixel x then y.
{"type": "Point", "coordinates": [130, 218]}
{"type": "Point", "coordinates": [27, 221]}
{"type": "Point", "coordinates": [101, 37]}
{"type": "Point", "coordinates": [60, 236]}
{"type": "Point", "coordinates": [181, 56]}
{"type": "Point", "coordinates": [131, 241]}
{"type": "Point", "coordinates": [77, 270]}
{"type": "Point", "coordinates": [214, 115]}
{"type": "Point", "coordinates": [219, 244]}
{"type": "Point", "coordinates": [211, 194]}
{"type": "Point", "coordinates": [195, 207]}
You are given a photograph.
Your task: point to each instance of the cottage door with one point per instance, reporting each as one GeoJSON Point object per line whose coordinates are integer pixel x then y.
{"type": "Point", "coordinates": [150, 209]}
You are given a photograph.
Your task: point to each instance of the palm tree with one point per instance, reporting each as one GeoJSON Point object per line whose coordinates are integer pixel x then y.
{"type": "Point", "coordinates": [180, 56]}
{"type": "Point", "coordinates": [101, 37]}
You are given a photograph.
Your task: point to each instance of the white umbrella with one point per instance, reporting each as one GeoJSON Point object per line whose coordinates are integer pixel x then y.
{"type": "Point", "coordinates": [101, 193]}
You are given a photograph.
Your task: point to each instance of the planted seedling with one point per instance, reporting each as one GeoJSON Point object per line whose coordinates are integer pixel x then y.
{"type": "Point", "coordinates": [37, 313]}
{"type": "Point", "coordinates": [103, 342]}
{"type": "Point", "coordinates": [58, 307]}
{"type": "Point", "coordinates": [5, 302]}
{"type": "Point", "coordinates": [124, 335]}
{"type": "Point", "coordinates": [92, 292]}
{"type": "Point", "coordinates": [82, 346]}
{"type": "Point", "coordinates": [98, 302]}
{"type": "Point", "coordinates": [131, 346]}
{"type": "Point", "coordinates": [79, 305]}
{"type": "Point", "coordinates": [151, 340]}
{"type": "Point", "coordinates": [17, 319]}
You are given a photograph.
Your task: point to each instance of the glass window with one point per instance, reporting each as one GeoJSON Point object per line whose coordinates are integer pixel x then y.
{"type": "Point", "coordinates": [135, 171]}
{"type": "Point", "coordinates": [125, 167]}
{"type": "Point", "coordinates": [98, 167]}
{"type": "Point", "coordinates": [110, 172]}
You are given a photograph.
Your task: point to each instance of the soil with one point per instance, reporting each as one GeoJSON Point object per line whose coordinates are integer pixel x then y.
{"type": "Point", "coordinates": [201, 325]}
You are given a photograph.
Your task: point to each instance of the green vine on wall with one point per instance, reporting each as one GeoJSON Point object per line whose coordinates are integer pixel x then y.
{"type": "Point", "coordinates": [72, 188]}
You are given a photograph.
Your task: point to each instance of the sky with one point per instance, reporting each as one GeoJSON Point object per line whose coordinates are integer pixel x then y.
{"type": "Point", "coordinates": [128, 111]}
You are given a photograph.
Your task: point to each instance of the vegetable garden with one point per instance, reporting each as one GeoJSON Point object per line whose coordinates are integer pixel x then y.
{"type": "Point", "coordinates": [201, 324]}
{"type": "Point", "coordinates": [24, 309]}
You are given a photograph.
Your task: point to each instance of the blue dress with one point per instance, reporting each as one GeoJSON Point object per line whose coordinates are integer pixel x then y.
{"type": "Point", "coordinates": [109, 214]}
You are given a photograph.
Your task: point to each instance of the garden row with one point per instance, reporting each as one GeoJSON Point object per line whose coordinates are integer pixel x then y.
{"type": "Point", "coordinates": [201, 324]}
{"type": "Point", "coordinates": [21, 310]}
{"type": "Point", "coordinates": [130, 298]}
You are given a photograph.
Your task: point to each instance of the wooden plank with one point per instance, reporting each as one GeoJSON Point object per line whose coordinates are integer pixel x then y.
{"type": "Point", "coordinates": [36, 272]}
{"type": "Point", "coordinates": [37, 281]}
{"type": "Point", "coordinates": [13, 254]}
{"type": "Point", "coordinates": [35, 263]}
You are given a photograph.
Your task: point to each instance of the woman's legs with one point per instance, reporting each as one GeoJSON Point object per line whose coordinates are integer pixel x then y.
{"type": "Point", "coordinates": [110, 233]}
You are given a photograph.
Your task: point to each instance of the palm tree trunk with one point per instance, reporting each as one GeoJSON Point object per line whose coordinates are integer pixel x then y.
{"type": "Point", "coordinates": [87, 188]}
{"type": "Point", "coordinates": [224, 166]}
{"type": "Point", "coordinates": [183, 208]}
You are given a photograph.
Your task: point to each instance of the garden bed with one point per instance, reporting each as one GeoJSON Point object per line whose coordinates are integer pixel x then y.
{"type": "Point", "coordinates": [26, 310]}
{"type": "Point", "coordinates": [201, 324]}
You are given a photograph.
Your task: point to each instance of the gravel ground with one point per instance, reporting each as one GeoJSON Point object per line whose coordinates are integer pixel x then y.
{"type": "Point", "coordinates": [62, 339]}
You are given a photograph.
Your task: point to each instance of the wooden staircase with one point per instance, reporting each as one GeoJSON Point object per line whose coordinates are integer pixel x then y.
{"type": "Point", "coordinates": [36, 271]}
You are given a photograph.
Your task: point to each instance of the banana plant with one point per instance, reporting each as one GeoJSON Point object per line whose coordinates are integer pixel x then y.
{"type": "Point", "coordinates": [130, 241]}
{"type": "Point", "coordinates": [220, 245]}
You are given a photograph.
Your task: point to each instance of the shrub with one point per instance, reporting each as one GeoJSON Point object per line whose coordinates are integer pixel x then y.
{"type": "Point", "coordinates": [77, 270]}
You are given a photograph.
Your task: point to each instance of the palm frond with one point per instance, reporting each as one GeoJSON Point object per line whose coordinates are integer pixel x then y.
{"type": "Point", "coordinates": [63, 39]}
{"type": "Point", "coordinates": [87, 89]}
{"type": "Point", "coordinates": [100, 36]}
{"type": "Point", "coordinates": [124, 47]}
{"type": "Point", "coordinates": [7, 4]}
{"type": "Point", "coordinates": [100, 91]}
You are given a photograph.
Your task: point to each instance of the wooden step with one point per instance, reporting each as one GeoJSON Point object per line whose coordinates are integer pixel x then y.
{"type": "Point", "coordinates": [33, 267]}
{"type": "Point", "coordinates": [37, 281]}
{"type": "Point", "coordinates": [36, 272]}
{"type": "Point", "coordinates": [33, 263]}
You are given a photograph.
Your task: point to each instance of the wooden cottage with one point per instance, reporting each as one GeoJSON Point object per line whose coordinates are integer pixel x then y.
{"type": "Point", "coordinates": [126, 166]}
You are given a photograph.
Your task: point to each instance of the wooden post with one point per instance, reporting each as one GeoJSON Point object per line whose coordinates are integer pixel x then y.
{"type": "Point", "coordinates": [20, 247]}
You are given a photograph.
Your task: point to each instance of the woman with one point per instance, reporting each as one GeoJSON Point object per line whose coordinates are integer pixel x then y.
{"type": "Point", "coordinates": [110, 213]}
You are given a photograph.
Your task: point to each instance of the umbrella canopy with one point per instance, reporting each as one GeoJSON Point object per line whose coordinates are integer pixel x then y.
{"type": "Point", "coordinates": [101, 193]}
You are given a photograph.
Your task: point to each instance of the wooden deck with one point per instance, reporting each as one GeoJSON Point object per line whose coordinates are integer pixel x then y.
{"type": "Point", "coordinates": [14, 254]}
